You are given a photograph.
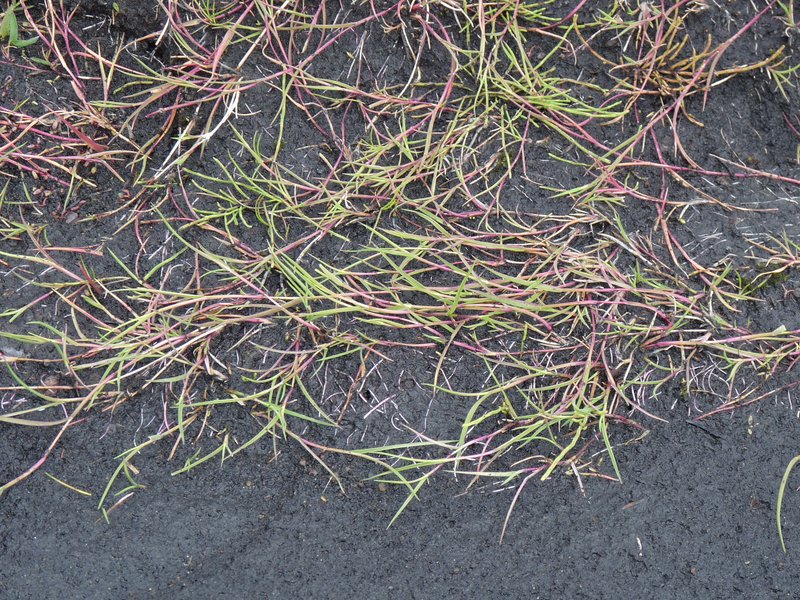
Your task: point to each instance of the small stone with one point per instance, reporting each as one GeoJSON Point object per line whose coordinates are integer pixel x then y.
{"type": "Point", "coordinates": [51, 381]}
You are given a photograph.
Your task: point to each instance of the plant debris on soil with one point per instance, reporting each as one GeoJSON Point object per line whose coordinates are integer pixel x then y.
{"type": "Point", "coordinates": [380, 260]}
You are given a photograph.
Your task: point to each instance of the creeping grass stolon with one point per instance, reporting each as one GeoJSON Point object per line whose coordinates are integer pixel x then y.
{"type": "Point", "coordinates": [484, 251]}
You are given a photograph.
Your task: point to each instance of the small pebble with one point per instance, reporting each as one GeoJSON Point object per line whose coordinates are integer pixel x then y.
{"type": "Point", "coordinates": [51, 381]}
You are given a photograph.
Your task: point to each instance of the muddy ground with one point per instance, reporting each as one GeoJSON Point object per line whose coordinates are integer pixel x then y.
{"type": "Point", "coordinates": [693, 516]}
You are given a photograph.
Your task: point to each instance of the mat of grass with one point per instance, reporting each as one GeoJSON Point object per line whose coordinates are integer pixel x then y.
{"type": "Point", "coordinates": [414, 241]}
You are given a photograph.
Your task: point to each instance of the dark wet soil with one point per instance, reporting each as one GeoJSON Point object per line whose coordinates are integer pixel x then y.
{"type": "Point", "coordinates": [694, 514]}
{"type": "Point", "coordinates": [694, 517]}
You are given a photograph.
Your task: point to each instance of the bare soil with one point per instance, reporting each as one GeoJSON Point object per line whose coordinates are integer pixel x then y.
{"type": "Point", "coordinates": [692, 517]}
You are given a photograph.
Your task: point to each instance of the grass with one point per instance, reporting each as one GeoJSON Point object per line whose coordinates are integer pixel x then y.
{"type": "Point", "coordinates": [300, 215]}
